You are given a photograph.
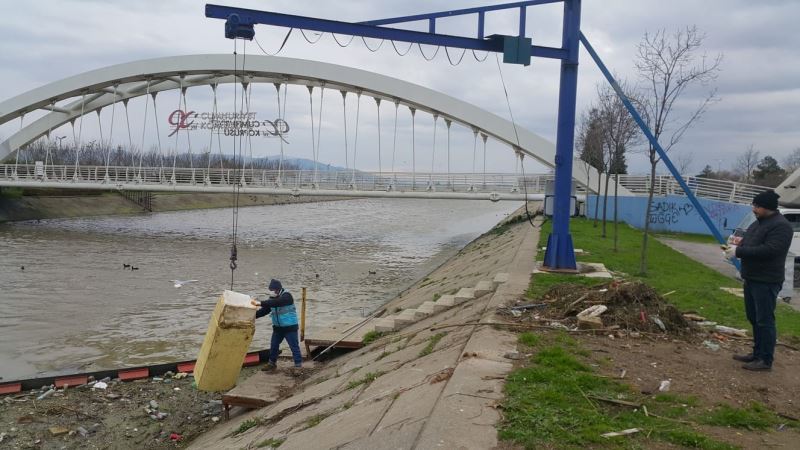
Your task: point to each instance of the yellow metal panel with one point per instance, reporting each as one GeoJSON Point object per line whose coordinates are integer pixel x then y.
{"type": "Point", "coordinates": [229, 334]}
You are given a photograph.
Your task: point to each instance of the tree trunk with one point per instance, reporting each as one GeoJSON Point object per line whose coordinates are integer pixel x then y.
{"type": "Point", "coordinates": [597, 200]}
{"type": "Point", "coordinates": [643, 261]}
{"type": "Point", "coordinates": [616, 222]}
{"type": "Point", "coordinates": [605, 205]}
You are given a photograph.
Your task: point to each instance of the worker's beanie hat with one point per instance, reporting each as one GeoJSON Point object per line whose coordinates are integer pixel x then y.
{"type": "Point", "coordinates": [767, 199]}
{"type": "Point", "coordinates": [275, 285]}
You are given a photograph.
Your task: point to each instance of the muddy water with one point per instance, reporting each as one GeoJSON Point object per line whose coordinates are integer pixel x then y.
{"type": "Point", "coordinates": [74, 306]}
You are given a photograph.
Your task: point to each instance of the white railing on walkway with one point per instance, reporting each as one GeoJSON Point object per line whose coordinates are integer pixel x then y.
{"type": "Point", "coordinates": [127, 177]}
{"type": "Point", "coordinates": [723, 190]}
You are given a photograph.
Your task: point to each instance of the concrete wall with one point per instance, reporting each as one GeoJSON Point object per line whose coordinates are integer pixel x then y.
{"type": "Point", "coordinates": [672, 213]}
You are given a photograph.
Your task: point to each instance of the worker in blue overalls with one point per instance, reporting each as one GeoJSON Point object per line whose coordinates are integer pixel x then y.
{"type": "Point", "coordinates": [284, 323]}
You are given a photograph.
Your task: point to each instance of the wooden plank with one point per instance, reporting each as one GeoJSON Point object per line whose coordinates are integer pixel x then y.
{"type": "Point", "coordinates": [261, 389]}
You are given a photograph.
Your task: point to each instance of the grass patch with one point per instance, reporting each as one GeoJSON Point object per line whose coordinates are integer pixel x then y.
{"type": "Point", "coordinates": [271, 443]}
{"type": "Point", "coordinates": [754, 416]}
{"type": "Point", "coordinates": [548, 406]}
{"type": "Point", "coordinates": [696, 286]}
{"type": "Point", "coordinates": [371, 336]}
{"type": "Point", "coordinates": [367, 379]}
{"type": "Point", "coordinates": [316, 419]}
{"type": "Point", "coordinates": [244, 426]}
{"type": "Point", "coordinates": [436, 296]}
{"type": "Point", "coordinates": [432, 341]}
{"type": "Point", "coordinates": [11, 192]}
{"type": "Point", "coordinates": [529, 339]}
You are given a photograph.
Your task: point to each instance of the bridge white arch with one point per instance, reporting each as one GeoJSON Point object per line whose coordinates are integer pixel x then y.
{"type": "Point", "coordinates": [129, 80]}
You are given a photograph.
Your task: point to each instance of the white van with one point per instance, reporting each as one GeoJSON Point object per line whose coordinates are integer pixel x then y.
{"type": "Point", "coordinates": [793, 216]}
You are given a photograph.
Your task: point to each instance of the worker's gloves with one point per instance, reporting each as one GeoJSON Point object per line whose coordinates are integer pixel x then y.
{"type": "Point", "coordinates": [730, 252]}
{"type": "Point", "coordinates": [255, 303]}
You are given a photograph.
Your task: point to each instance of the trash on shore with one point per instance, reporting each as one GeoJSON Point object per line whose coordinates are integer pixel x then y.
{"type": "Point", "coordinates": [621, 433]}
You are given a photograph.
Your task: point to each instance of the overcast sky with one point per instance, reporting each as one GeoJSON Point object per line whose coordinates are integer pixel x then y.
{"type": "Point", "coordinates": [758, 87]}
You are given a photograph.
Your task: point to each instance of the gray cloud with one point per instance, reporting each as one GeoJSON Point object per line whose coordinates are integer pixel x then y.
{"type": "Point", "coordinates": [759, 86]}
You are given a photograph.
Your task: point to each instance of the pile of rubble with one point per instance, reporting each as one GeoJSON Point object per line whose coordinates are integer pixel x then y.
{"type": "Point", "coordinates": [631, 306]}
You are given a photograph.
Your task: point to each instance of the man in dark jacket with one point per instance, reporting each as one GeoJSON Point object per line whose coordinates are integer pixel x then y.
{"type": "Point", "coordinates": [763, 252]}
{"type": "Point", "coordinates": [281, 308]}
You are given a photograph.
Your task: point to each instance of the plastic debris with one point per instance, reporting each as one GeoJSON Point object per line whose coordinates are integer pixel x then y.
{"type": "Point", "coordinates": [713, 346]}
{"type": "Point", "coordinates": [100, 385]}
{"type": "Point", "coordinates": [621, 433]}
{"type": "Point", "coordinates": [659, 322]}
{"type": "Point", "coordinates": [731, 331]}
{"type": "Point", "coordinates": [46, 394]}
{"type": "Point", "coordinates": [664, 386]}
{"type": "Point", "coordinates": [593, 311]}
{"type": "Point", "coordinates": [175, 437]}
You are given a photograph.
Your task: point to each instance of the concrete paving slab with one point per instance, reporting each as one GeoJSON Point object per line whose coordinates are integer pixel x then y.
{"type": "Point", "coordinates": [447, 300]}
{"type": "Point", "coordinates": [385, 324]}
{"type": "Point", "coordinates": [400, 437]}
{"type": "Point", "coordinates": [483, 288]}
{"type": "Point", "coordinates": [464, 294]}
{"type": "Point", "coordinates": [339, 429]}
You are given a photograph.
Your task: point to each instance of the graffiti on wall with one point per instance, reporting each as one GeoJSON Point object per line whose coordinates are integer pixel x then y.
{"type": "Point", "coordinates": [669, 211]}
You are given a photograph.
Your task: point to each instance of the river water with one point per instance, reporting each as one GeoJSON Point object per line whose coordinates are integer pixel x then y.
{"type": "Point", "coordinates": [75, 308]}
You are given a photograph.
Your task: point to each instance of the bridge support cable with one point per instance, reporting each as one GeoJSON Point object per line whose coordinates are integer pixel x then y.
{"type": "Point", "coordinates": [380, 167]}
{"type": "Point", "coordinates": [484, 136]}
{"type": "Point", "coordinates": [394, 145]}
{"type": "Point", "coordinates": [130, 136]}
{"type": "Point", "coordinates": [79, 142]}
{"type": "Point", "coordinates": [355, 140]}
{"type": "Point", "coordinates": [313, 135]}
{"type": "Point", "coordinates": [158, 139]}
{"type": "Point", "coordinates": [110, 144]}
{"type": "Point", "coordinates": [207, 177]}
{"type": "Point", "coordinates": [49, 144]}
{"type": "Point", "coordinates": [173, 180]}
{"type": "Point", "coordinates": [474, 151]}
{"type": "Point", "coordinates": [413, 149]}
{"type": "Point", "coordinates": [433, 151]}
{"type": "Point", "coordinates": [247, 91]}
{"type": "Point", "coordinates": [449, 122]}
{"type": "Point", "coordinates": [281, 114]}
{"type": "Point", "coordinates": [188, 134]}
{"type": "Point", "coordinates": [144, 131]}
{"type": "Point", "coordinates": [319, 133]}
{"type": "Point", "coordinates": [344, 121]}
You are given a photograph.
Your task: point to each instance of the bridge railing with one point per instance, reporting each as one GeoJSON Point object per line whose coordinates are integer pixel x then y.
{"type": "Point", "coordinates": [130, 177]}
{"type": "Point", "coordinates": [723, 190]}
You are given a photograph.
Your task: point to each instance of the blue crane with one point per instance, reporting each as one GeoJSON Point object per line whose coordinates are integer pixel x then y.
{"type": "Point", "coordinates": [516, 49]}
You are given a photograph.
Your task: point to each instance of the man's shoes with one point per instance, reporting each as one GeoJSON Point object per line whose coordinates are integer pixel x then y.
{"type": "Point", "coordinates": [269, 367]}
{"type": "Point", "coordinates": [745, 358]}
{"type": "Point", "coordinates": [757, 366]}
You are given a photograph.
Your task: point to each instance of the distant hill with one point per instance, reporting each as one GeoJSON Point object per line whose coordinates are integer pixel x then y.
{"type": "Point", "coordinates": [302, 163]}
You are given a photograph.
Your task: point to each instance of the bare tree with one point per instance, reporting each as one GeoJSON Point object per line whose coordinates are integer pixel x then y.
{"type": "Point", "coordinates": [669, 64]}
{"type": "Point", "coordinates": [590, 148]}
{"type": "Point", "coordinates": [683, 162]}
{"type": "Point", "coordinates": [790, 163]}
{"type": "Point", "coordinates": [619, 131]}
{"type": "Point", "coordinates": [746, 163]}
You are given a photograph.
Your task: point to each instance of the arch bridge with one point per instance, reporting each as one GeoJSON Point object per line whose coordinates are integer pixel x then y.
{"type": "Point", "coordinates": [70, 99]}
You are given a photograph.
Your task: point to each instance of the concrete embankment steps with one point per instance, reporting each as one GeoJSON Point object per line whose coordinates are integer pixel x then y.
{"type": "Point", "coordinates": [409, 316]}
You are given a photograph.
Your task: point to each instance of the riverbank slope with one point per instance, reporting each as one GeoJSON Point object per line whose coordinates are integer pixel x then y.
{"type": "Point", "coordinates": [434, 383]}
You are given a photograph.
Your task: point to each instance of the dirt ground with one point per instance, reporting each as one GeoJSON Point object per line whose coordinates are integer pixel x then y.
{"type": "Point", "coordinates": [114, 418]}
{"type": "Point", "coordinates": [711, 376]}
{"type": "Point", "coordinates": [696, 360]}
